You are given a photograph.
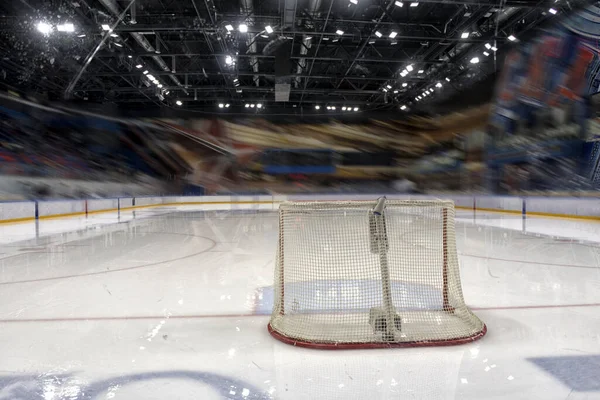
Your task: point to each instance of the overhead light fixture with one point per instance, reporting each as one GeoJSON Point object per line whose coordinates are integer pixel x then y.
{"type": "Point", "coordinates": [552, 11]}
{"type": "Point", "coordinates": [464, 35]}
{"type": "Point", "coordinates": [167, 92]}
{"type": "Point", "coordinates": [354, 1]}
{"type": "Point", "coordinates": [151, 77]}
{"type": "Point", "coordinates": [264, 36]}
{"type": "Point", "coordinates": [105, 27]}
{"type": "Point", "coordinates": [243, 28]}
{"type": "Point", "coordinates": [160, 85]}
{"type": "Point", "coordinates": [329, 107]}
{"type": "Point", "coordinates": [247, 105]}
{"type": "Point", "coordinates": [439, 84]}
{"type": "Point", "coordinates": [399, 4]}
{"type": "Point", "coordinates": [269, 29]}
{"type": "Point", "coordinates": [371, 41]}
{"type": "Point", "coordinates": [355, 108]}
{"type": "Point", "coordinates": [488, 46]}
{"type": "Point", "coordinates": [378, 34]}
{"type": "Point", "coordinates": [139, 66]}
{"type": "Point", "coordinates": [447, 79]}
{"type": "Point", "coordinates": [259, 105]}
{"type": "Point", "coordinates": [404, 84]}
{"type": "Point", "coordinates": [467, 14]}
{"type": "Point", "coordinates": [384, 89]}
{"type": "Point", "coordinates": [228, 60]}
{"type": "Point", "coordinates": [335, 40]}
{"type": "Point", "coordinates": [252, 105]}
{"type": "Point", "coordinates": [118, 44]}
{"type": "Point", "coordinates": [238, 90]}
{"type": "Point", "coordinates": [129, 56]}
{"type": "Point", "coordinates": [114, 35]}
{"type": "Point", "coordinates": [494, 48]}
{"type": "Point", "coordinates": [178, 102]}
{"type": "Point", "coordinates": [409, 68]}
{"type": "Point", "coordinates": [396, 91]}
{"type": "Point", "coordinates": [221, 105]}
{"type": "Point", "coordinates": [414, 4]}
{"type": "Point", "coordinates": [343, 108]}
{"type": "Point", "coordinates": [81, 36]}
{"type": "Point", "coordinates": [229, 27]}
{"type": "Point", "coordinates": [393, 34]}
{"type": "Point", "coordinates": [421, 71]}
{"type": "Point", "coordinates": [474, 60]}
{"type": "Point", "coordinates": [485, 53]}
{"type": "Point", "coordinates": [512, 38]}
{"type": "Point", "coordinates": [333, 107]}
{"type": "Point", "coordinates": [227, 105]}
{"type": "Point", "coordinates": [317, 107]}
{"type": "Point", "coordinates": [68, 27]}
{"type": "Point", "coordinates": [145, 72]}
{"type": "Point", "coordinates": [235, 79]}
{"type": "Point", "coordinates": [393, 43]}
{"type": "Point", "coordinates": [388, 86]}
{"type": "Point", "coordinates": [403, 108]}
{"type": "Point", "coordinates": [44, 28]}
{"type": "Point", "coordinates": [339, 32]}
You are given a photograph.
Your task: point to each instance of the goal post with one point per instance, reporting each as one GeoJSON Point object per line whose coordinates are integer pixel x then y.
{"type": "Point", "coordinates": [367, 274]}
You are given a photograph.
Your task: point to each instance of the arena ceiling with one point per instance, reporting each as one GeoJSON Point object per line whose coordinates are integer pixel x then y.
{"type": "Point", "coordinates": [269, 57]}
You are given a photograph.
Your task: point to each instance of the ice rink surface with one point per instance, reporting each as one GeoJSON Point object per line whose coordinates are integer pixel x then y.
{"type": "Point", "coordinates": [161, 304]}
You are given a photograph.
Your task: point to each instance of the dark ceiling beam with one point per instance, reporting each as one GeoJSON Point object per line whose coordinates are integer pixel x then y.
{"type": "Point", "coordinates": [327, 59]}
{"type": "Point", "coordinates": [272, 104]}
{"type": "Point", "coordinates": [255, 30]}
{"type": "Point", "coordinates": [249, 73]}
{"type": "Point", "coordinates": [257, 89]}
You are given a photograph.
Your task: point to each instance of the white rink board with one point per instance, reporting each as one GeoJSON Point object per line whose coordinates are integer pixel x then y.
{"type": "Point", "coordinates": [18, 210]}
{"type": "Point", "coordinates": [585, 207]}
{"type": "Point", "coordinates": [50, 208]}
{"type": "Point", "coordinates": [125, 202]}
{"type": "Point", "coordinates": [503, 203]}
{"type": "Point", "coordinates": [568, 206]}
{"type": "Point", "coordinates": [102, 204]}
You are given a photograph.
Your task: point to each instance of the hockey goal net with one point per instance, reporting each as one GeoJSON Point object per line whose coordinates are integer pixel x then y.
{"type": "Point", "coordinates": [363, 274]}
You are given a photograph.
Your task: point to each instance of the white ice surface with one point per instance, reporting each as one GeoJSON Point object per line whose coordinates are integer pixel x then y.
{"type": "Point", "coordinates": [160, 304]}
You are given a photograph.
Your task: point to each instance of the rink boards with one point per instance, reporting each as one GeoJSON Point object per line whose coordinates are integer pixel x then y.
{"type": "Point", "coordinates": [569, 207]}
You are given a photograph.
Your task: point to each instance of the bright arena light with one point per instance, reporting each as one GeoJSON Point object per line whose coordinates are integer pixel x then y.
{"type": "Point", "coordinates": [44, 28]}
{"type": "Point", "coordinates": [339, 32]}
{"type": "Point", "coordinates": [474, 60]}
{"type": "Point", "coordinates": [68, 27]}
{"type": "Point", "coordinates": [317, 107]}
{"type": "Point", "coordinates": [243, 28]}
{"type": "Point", "coordinates": [393, 34]}
{"type": "Point", "coordinates": [464, 35]}
{"type": "Point", "coordinates": [178, 102]}
{"type": "Point", "coordinates": [269, 29]}
{"type": "Point", "coordinates": [228, 60]}
{"type": "Point", "coordinates": [355, 108]}
{"type": "Point", "coordinates": [512, 38]}
{"type": "Point", "coordinates": [409, 68]}
{"type": "Point", "coordinates": [221, 105]}
{"type": "Point", "coordinates": [105, 27]}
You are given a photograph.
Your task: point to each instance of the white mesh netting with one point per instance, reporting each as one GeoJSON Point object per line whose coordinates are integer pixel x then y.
{"type": "Point", "coordinates": [347, 277]}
